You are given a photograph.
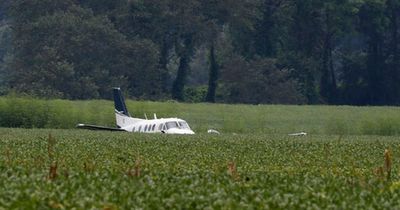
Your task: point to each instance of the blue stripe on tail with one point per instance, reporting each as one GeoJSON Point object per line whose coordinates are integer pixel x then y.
{"type": "Point", "coordinates": [119, 102]}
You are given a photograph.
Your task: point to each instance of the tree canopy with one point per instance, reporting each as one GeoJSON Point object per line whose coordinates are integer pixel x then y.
{"type": "Point", "coordinates": [251, 51]}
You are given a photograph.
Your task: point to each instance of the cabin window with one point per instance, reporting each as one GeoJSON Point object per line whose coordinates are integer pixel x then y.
{"type": "Point", "coordinates": [183, 125]}
{"type": "Point", "coordinates": [160, 127]}
{"type": "Point", "coordinates": [133, 129]}
{"type": "Point", "coordinates": [140, 129]}
{"type": "Point", "coordinates": [154, 127]}
{"type": "Point", "coordinates": [172, 124]}
{"type": "Point", "coordinates": [145, 128]}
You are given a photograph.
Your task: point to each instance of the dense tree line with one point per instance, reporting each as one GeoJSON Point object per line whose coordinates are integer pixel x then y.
{"type": "Point", "coordinates": [252, 51]}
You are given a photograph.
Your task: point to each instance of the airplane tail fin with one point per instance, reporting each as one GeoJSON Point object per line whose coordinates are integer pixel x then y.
{"type": "Point", "coordinates": [122, 116]}
{"type": "Point", "coordinates": [119, 102]}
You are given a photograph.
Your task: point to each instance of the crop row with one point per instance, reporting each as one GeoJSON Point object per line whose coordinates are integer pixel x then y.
{"type": "Point", "coordinates": [67, 169]}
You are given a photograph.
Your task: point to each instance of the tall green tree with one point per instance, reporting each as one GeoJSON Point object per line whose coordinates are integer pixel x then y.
{"type": "Point", "coordinates": [300, 49]}
{"type": "Point", "coordinates": [213, 76]}
{"type": "Point", "coordinates": [5, 55]}
{"type": "Point", "coordinates": [335, 16]}
{"type": "Point", "coordinates": [189, 22]}
{"type": "Point", "coordinates": [373, 24]}
{"type": "Point", "coordinates": [175, 28]}
{"type": "Point", "coordinates": [270, 28]}
{"type": "Point", "coordinates": [70, 44]}
{"type": "Point", "coordinates": [220, 15]}
{"type": "Point", "coordinates": [393, 59]}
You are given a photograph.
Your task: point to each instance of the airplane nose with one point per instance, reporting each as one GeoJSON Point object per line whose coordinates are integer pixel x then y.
{"type": "Point", "coordinates": [190, 132]}
{"type": "Point", "coordinates": [180, 131]}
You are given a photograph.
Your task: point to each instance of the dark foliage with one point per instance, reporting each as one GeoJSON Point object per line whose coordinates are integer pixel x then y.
{"type": "Point", "coordinates": [256, 51]}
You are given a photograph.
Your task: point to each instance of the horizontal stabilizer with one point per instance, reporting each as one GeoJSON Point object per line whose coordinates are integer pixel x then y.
{"type": "Point", "coordinates": [96, 127]}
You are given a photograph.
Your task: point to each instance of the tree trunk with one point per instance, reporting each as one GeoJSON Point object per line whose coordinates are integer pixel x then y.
{"type": "Point", "coordinates": [213, 77]}
{"type": "Point", "coordinates": [179, 83]}
{"type": "Point", "coordinates": [163, 63]}
{"type": "Point", "coordinates": [325, 81]}
{"type": "Point", "coordinates": [328, 84]}
{"type": "Point", "coordinates": [394, 67]}
{"type": "Point", "coordinates": [375, 70]}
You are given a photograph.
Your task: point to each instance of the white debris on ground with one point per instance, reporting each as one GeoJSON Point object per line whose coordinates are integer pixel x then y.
{"type": "Point", "coordinates": [212, 131]}
{"type": "Point", "coordinates": [298, 134]}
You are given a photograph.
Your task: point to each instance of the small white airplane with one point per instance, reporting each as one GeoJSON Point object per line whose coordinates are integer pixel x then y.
{"type": "Point", "coordinates": [127, 123]}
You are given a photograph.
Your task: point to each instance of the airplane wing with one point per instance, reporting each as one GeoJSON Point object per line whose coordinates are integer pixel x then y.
{"type": "Point", "coordinates": [96, 127]}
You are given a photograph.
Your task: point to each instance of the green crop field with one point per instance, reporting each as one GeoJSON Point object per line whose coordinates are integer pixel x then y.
{"type": "Point", "coordinates": [350, 158]}
{"type": "Point", "coordinates": [103, 170]}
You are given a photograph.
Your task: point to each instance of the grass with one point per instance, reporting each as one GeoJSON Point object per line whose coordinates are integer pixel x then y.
{"type": "Point", "coordinates": [240, 119]}
{"type": "Point", "coordinates": [102, 170]}
{"type": "Point", "coordinates": [349, 160]}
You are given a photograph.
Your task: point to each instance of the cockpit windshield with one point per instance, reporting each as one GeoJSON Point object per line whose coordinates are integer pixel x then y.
{"type": "Point", "coordinates": [183, 125]}
{"type": "Point", "coordinates": [177, 124]}
{"type": "Point", "coordinates": [172, 124]}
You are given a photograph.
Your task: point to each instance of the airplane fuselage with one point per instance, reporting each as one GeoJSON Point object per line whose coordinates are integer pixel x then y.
{"type": "Point", "coordinates": [167, 125]}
